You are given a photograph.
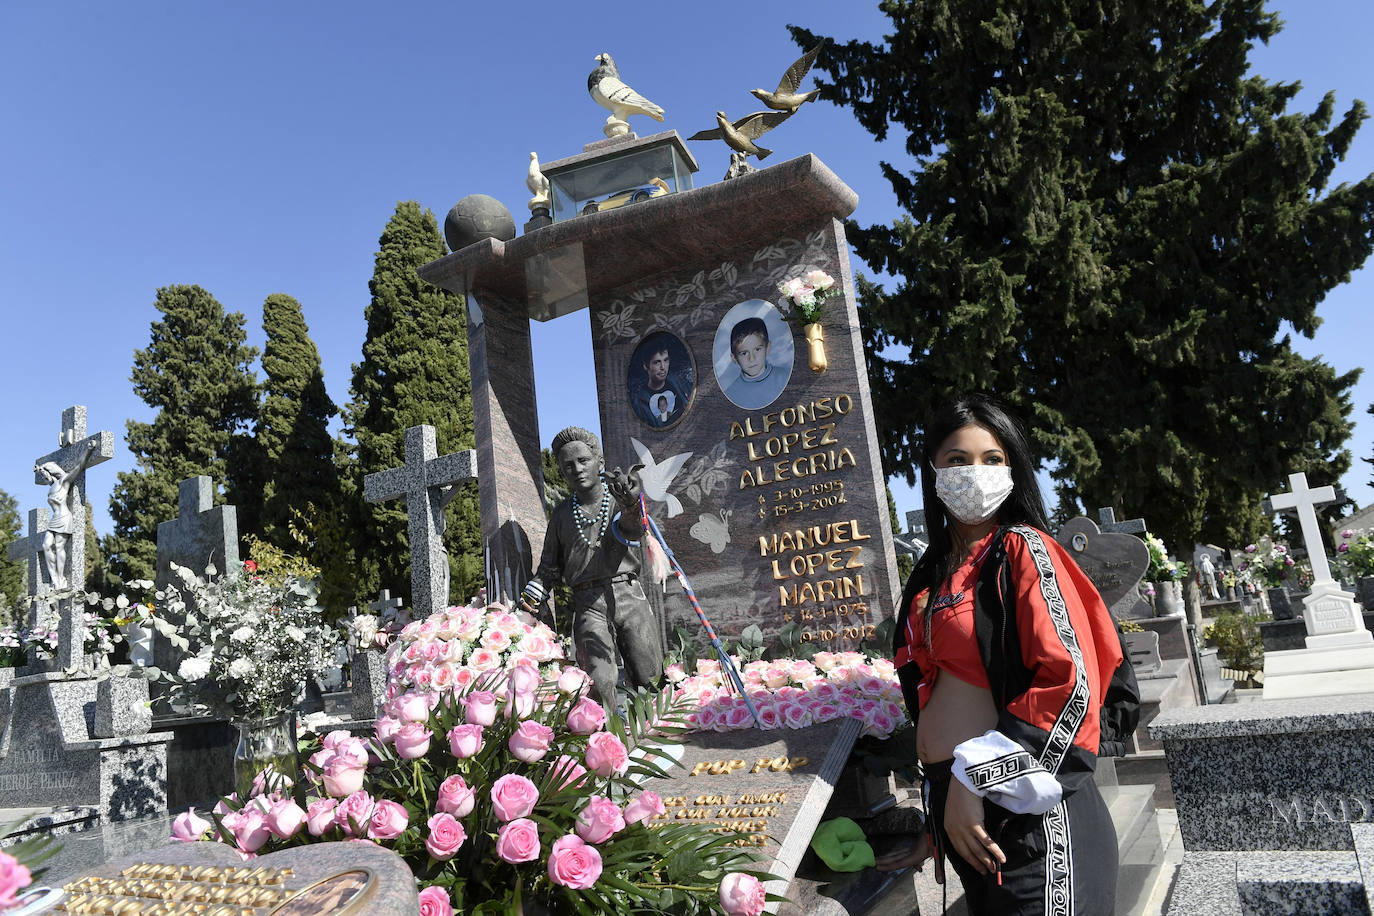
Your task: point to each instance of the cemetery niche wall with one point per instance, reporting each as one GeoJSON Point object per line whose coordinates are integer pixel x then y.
{"type": "Point", "coordinates": [762, 473]}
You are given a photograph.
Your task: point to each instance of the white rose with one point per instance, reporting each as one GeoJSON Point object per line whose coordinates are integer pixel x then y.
{"type": "Point", "coordinates": [193, 669]}
{"type": "Point", "coordinates": [240, 668]}
{"type": "Point", "coordinates": [820, 279]}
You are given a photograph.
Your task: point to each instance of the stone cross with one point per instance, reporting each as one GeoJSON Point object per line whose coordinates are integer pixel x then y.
{"type": "Point", "coordinates": [427, 481]}
{"type": "Point", "coordinates": [1306, 500]}
{"type": "Point", "coordinates": [1108, 522]}
{"type": "Point", "coordinates": [915, 539]}
{"type": "Point", "coordinates": [29, 550]}
{"type": "Point", "coordinates": [73, 443]}
{"type": "Point", "coordinates": [384, 602]}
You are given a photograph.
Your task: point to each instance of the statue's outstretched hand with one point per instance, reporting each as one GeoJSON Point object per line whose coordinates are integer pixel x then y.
{"type": "Point", "coordinates": [624, 489]}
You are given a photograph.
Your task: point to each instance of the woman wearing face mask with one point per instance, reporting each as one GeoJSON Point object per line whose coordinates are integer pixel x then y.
{"type": "Point", "coordinates": [1004, 650]}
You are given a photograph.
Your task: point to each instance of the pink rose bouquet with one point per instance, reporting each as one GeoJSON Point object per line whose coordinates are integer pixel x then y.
{"type": "Point", "coordinates": [509, 785]}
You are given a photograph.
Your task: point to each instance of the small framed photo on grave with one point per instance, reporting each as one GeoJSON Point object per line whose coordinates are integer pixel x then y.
{"type": "Point", "coordinates": [661, 379]}
{"type": "Point", "coordinates": [753, 354]}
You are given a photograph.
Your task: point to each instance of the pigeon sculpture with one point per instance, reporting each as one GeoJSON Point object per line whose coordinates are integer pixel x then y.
{"type": "Point", "coordinates": [740, 135]}
{"type": "Point", "coordinates": [538, 185]}
{"type": "Point", "coordinates": [786, 97]}
{"type": "Point", "coordinates": [610, 93]}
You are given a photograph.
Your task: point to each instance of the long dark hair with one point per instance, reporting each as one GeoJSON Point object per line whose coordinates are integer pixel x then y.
{"type": "Point", "coordinates": [1023, 506]}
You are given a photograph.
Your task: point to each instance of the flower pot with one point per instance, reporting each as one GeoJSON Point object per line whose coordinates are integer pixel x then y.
{"type": "Point", "coordinates": [264, 743]}
{"type": "Point", "coordinates": [1280, 605]}
{"type": "Point", "coordinates": [1168, 599]}
{"type": "Point", "coordinates": [815, 343]}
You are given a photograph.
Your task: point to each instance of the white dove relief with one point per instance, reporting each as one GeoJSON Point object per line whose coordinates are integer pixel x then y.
{"type": "Point", "coordinates": [655, 476]}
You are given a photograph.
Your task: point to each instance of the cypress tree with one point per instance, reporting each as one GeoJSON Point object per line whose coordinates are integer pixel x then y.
{"type": "Point", "coordinates": [1111, 225]}
{"type": "Point", "coordinates": [196, 372]}
{"type": "Point", "coordinates": [11, 530]}
{"type": "Point", "coordinates": [414, 371]}
{"type": "Point", "coordinates": [297, 452]}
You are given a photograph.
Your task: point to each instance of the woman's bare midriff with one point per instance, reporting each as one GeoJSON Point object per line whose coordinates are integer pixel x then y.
{"type": "Point", "coordinates": [955, 712]}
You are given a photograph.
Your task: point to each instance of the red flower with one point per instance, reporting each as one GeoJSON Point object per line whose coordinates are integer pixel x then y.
{"type": "Point", "coordinates": [250, 566]}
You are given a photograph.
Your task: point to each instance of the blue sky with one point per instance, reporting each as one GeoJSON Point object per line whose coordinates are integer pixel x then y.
{"type": "Point", "coordinates": [259, 147]}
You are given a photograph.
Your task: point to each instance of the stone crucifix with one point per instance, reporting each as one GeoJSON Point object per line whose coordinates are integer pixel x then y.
{"type": "Point", "coordinates": [63, 472]}
{"type": "Point", "coordinates": [1108, 522]}
{"type": "Point", "coordinates": [427, 481]}
{"type": "Point", "coordinates": [29, 551]}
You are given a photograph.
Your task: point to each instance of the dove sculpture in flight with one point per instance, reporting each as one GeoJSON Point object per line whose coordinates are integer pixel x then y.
{"type": "Point", "coordinates": [740, 135]}
{"type": "Point", "coordinates": [786, 97]}
{"type": "Point", "coordinates": [655, 476]}
{"type": "Point", "coordinates": [608, 91]}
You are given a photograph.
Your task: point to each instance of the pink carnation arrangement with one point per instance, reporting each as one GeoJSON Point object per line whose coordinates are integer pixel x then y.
{"type": "Point", "coordinates": [509, 784]}
{"type": "Point", "coordinates": [452, 648]}
{"type": "Point", "coordinates": [794, 693]}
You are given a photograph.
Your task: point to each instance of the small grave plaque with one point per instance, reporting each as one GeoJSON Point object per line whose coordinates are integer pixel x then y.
{"type": "Point", "coordinates": [770, 786]}
{"type": "Point", "coordinates": [1114, 562]}
{"type": "Point", "coordinates": [356, 878]}
{"type": "Point", "coordinates": [1143, 650]}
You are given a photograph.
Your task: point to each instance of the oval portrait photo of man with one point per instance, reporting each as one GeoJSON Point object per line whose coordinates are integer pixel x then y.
{"type": "Point", "coordinates": [661, 379]}
{"type": "Point", "coordinates": [753, 354]}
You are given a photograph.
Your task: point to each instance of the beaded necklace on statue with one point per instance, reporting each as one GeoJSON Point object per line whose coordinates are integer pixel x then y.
{"type": "Point", "coordinates": [602, 522]}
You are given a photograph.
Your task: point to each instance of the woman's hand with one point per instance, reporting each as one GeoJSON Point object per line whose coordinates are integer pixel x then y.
{"type": "Point", "coordinates": [966, 831]}
{"type": "Point", "coordinates": [910, 857]}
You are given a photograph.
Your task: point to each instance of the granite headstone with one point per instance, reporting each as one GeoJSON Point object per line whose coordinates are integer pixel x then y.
{"type": "Point", "coordinates": [1114, 562]}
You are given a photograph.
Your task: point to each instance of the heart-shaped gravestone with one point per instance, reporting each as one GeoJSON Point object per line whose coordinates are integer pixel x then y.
{"type": "Point", "coordinates": [1114, 562]}
{"type": "Point", "coordinates": [352, 877]}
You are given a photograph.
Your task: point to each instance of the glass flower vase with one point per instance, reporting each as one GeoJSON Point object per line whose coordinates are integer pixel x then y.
{"type": "Point", "coordinates": [264, 744]}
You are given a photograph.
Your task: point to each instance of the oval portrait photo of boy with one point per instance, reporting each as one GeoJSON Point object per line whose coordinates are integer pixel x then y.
{"type": "Point", "coordinates": [753, 354]}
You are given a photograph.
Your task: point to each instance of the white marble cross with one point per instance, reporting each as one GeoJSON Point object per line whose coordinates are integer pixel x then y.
{"type": "Point", "coordinates": [427, 481]}
{"type": "Point", "coordinates": [1306, 501]}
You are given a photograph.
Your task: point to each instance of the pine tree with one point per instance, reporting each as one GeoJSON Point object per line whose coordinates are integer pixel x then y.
{"type": "Point", "coordinates": [414, 371]}
{"type": "Point", "coordinates": [197, 373]}
{"type": "Point", "coordinates": [295, 448]}
{"type": "Point", "coordinates": [1110, 227]}
{"type": "Point", "coordinates": [11, 530]}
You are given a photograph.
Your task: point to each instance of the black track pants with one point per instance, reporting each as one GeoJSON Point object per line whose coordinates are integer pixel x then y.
{"type": "Point", "coordinates": [1060, 863]}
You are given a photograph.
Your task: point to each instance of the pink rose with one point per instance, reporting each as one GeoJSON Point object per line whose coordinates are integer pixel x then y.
{"type": "Point", "coordinates": [249, 828]}
{"type": "Point", "coordinates": [412, 741]}
{"type": "Point", "coordinates": [573, 681]}
{"type": "Point", "coordinates": [13, 878]}
{"type": "Point", "coordinates": [568, 771]}
{"type": "Point", "coordinates": [465, 740]}
{"type": "Point", "coordinates": [606, 755]}
{"type": "Point", "coordinates": [586, 717]}
{"type": "Point", "coordinates": [386, 728]}
{"type": "Point", "coordinates": [285, 818]}
{"type": "Point", "coordinates": [524, 682]}
{"type": "Point", "coordinates": [538, 646]}
{"type": "Point", "coordinates": [495, 640]}
{"type": "Point", "coordinates": [445, 836]}
{"type": "Point", "coordinates": [189, 827]}
{"type": "Point", "coordinates": [434, 901]}
{"type": "Point", "coordinates": [319, 816]}
{"type": "Point", "coordinates": [795, 715]}
{"type": "Point", "coordinates": [518, 841]}
{"type": "Point", "coordinates": [645, 806]}
{"type": "Point", "coordinates": [513, 796]}
{"type": "Point", "coordinates": [455, 797]}
{"type": "Point", "coordinates": [409, 707]}
{"type": "Point", "coordinates": [389, 820]}
{"type": "Point", "coordinates": [354, 814]}
{"type": "Point", "coordinates": [480, 708]}
{"type": "Point", "coordinates": [741, 894]}
{"type": "Point", "coordinates": [269, 781]}
{"type": "Point", "coordinates": [484, 660]}
{"type": "Point", "coordinates": [572, 863]}
{"type": "Point", "coordinates": [343, 777]}
{"type": "Point", "coordinates": [599, 820]}
{"type": "Point", "coordinates": [738, 717]}
{"type": "Point", "coordinates": [335, 738]}
{"type": "Point", "coordinates": [530, 742]}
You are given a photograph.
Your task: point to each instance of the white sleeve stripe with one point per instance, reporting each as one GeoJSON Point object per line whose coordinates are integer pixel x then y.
{"type": "Point", "coordinates": [1075, 711]}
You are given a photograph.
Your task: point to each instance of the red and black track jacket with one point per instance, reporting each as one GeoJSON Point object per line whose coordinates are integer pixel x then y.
{"type": "Point", "coordinates": [1052, 653]}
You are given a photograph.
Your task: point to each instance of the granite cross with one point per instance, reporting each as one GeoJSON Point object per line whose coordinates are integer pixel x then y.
{"type": "Point", "coordinates": [427, 481]}
{"type": "Point", "coordinates": [1306, 500]}
{"type": "Point", "coordinates": [73, 446]}
{"type": "Point", "coordinates": [29, 550]}
{"type": "Point", "coordinates": [1108, 522]}
{"type": "Point", "coordinates": [384, 603]}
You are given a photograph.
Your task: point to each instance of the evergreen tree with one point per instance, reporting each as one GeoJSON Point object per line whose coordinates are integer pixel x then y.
{"type": "Point", "coordinates": [293, 441]}
{"type": "Point", "coordinates": [11, 530]}
{"type": "Point", "coordinates": [1110, 226]}
{"type": "Point", "coordinates": [197, 373]}
{"type": "Point", "coordinates": [414, 371]}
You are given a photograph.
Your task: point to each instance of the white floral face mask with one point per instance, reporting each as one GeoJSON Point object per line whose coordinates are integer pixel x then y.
{"type": "Point", "coordinates": [973, 492]}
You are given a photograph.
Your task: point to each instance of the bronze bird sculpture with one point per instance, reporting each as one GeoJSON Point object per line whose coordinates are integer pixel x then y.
{"type": "Point", "coordinates": [786, 97]}
{"type": "Point", "coordinates": [740, 135]}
